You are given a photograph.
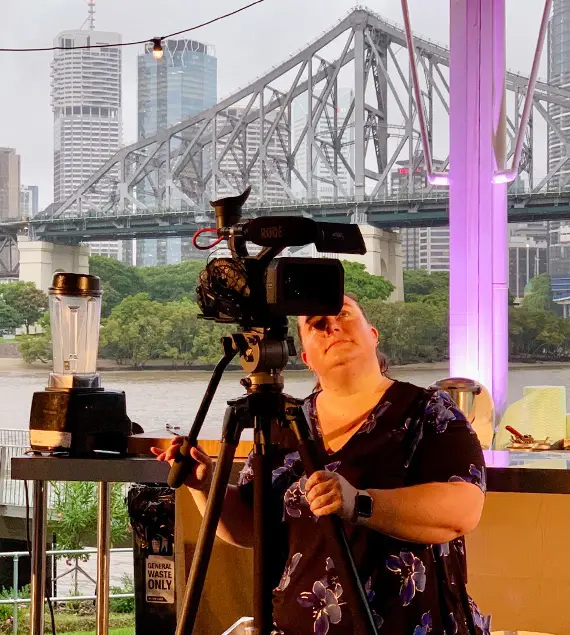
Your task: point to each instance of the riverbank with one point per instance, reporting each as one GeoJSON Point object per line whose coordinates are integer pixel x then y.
{"type": "Point", "coordinates": [108, 365]}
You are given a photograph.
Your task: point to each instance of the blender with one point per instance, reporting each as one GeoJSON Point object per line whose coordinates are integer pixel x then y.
{"type": "Point", "coordinates": [75, 415]}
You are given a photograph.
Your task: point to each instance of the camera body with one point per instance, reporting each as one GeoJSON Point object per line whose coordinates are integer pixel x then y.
{"type": "Point", "coordinates": [255, 291]}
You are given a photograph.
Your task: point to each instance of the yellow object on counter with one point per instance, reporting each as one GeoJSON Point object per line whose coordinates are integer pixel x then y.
{"type": "Point", "coordinates": [541, 413]}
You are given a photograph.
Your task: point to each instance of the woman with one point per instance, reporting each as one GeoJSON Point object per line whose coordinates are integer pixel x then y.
{"type": "Point", "coordinates": [404, 470]}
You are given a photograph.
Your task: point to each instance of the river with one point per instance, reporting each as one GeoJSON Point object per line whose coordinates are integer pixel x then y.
{"type": "Point", "coordinates": [157, 398]}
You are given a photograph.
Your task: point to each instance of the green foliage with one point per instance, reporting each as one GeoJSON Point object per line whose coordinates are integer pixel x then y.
{"type": "Point", "coordinates": [419, 282]}
{"type": "Point", "coordinates": [123, 279]}
{"type": "Point", "coordinates": [364, 286]}
{"type": "Point", "coordinates": [410, 332]}
{"type": "Point", "coordinates": [37, 347]}
{"type": "Point", "coordinates": [117, 281]}
{"type": "Point", "coordinates": [74, 520]}
{"type": "Point", "coordinates": [119, 624]}
{"type": "Point", "coordinates": [29, 302]}
{"type": "Point", "coordinates": [172, 282]}
{"type": "Point", "coordinates": [137, 330]}
{"type": "Point", "coordinates": [540, 296]}
{"type": "Point", "coordinates": [538, 334]}
{"type": "Point", "coordinates": [123, 605]}
{"type": "Point", "coordinates": [10, 318]}
{"type": "Point", "coordinates": [7, 610]}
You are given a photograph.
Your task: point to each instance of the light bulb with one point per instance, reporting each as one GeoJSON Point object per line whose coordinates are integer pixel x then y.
{"type": "Point", "coordinates": [157, 51]}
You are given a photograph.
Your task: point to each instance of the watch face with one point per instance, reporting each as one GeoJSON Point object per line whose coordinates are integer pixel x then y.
{"type": "Point", "coordinates": [364, 506]}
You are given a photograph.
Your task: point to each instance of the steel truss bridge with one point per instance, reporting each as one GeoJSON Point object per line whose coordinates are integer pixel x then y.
{"type": "Point", "coordinates": [320, 135]}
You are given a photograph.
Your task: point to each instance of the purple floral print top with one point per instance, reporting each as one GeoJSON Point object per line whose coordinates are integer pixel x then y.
{"type": "Point", "coordinates": [411, 437]}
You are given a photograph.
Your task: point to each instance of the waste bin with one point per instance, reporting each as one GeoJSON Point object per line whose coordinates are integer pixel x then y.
{"type": "Point", "coordinates": [151, 509]}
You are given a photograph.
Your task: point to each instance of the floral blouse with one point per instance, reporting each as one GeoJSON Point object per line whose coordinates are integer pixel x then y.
{"type": "Point", "coordinates": [412, 436]}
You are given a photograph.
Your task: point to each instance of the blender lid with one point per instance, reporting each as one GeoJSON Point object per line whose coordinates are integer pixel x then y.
{"type": "Point", "coordinates": [75, 284]}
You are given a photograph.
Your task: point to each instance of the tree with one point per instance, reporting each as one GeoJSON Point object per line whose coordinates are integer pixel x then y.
{"type": "Point", "coordinates": [537, 334]}
{"type": "Point", "coordinates": [74, 520]}
{"type": "Point", "coordinates": [117, 281]}
{"type": "Point", "coordinates": [137, 330]}
{"type": "Point", "coordinates": [9, 317]}
{"type": "Point", "coordinates": [185, 326]}
{"type": "Point", "coordinates": [29, 302]}
{"type": "Point", "coordinates": [419, 282]}
{"type": "Point", "coordinates": [410, 332]}
{"type": "Point", "coordinates": [172, 282]}
{"type": "Point", "coordinates": [540, 296]}
{"type": "Point", "coordinates": [123, 279]}
{"type": "Point", "coordinates": [38, 347]}
{"type": "Point", "coordinates": [363, 285]}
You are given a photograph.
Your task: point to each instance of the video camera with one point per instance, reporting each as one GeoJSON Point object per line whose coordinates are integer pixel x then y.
{"type": "Point", "coordinates": [254, 291]}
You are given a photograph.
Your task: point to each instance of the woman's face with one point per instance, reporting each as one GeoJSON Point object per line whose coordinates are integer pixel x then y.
{"type": "Point", "coordinates": [333, 340]}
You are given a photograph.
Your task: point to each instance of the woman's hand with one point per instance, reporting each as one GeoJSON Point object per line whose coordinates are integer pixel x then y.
{"type": "Point", "coordinates": [330, 493]}
{"type": "Point", "coordinates": [200, 475]}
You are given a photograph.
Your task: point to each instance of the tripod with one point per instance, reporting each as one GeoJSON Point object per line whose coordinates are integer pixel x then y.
{"type": "Point", "coordinates": [267, 410]}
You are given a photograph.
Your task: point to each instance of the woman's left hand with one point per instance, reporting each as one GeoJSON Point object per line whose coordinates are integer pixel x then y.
{"type": "Point", "coordinates": [330, 493]}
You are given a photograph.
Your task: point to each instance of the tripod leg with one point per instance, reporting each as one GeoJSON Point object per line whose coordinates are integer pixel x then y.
{"type": "Point", "coordinates": [262, 511]}
{"type": "Point", "coordinates": [334, 530]}
{"type": "Point", "coordinates": [212, 513]}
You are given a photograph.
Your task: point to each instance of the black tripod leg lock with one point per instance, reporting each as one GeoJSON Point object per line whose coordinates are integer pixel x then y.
{"type": "Point", "coordinates": [182, 465]}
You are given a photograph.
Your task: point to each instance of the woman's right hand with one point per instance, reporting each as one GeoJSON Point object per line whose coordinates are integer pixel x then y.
{"type": "Point", "coordinates": [200, 476]}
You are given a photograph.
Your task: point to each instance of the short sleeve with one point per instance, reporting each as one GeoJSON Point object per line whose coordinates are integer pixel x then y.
{"type": "Point", "coordinates": [448, 449]}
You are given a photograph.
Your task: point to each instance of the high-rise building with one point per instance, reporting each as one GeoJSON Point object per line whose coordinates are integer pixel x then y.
{"type": "Point", "coordinates": [9, 184]}
{"type": "Point", "coordinates": [325, 187]}
{"type": "Point", "coordinates": [559, 76]}
{"type": "Point", "coordinates": [422, 247]}
{"type": "Point", "coordinates": [527, 259]}
{"type": "Point", "coordinates": [29, 201]}
{"type": "Point", "coordinates": [180, 85]}
{"type": "Point", "coordinates": [425, 248]}
{"type": "Point", "coordinates": [231, 166]}
{"type": "Point", "coordinates": [86, 101]}
{"type": "Point", "coordinates": [108, 248]}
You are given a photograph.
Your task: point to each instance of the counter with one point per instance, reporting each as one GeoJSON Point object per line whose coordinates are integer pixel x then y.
{"type": "Point", "coordinates": [519, 562]}
{"type": "Point", "coordinates": [518, 557]}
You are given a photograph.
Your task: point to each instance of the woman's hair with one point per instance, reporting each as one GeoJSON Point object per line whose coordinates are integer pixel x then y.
{"type": "Point", "coordinates": [382, 359]}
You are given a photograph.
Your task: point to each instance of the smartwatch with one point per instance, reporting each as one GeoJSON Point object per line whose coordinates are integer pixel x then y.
{"type": "Point", "coordinates": [364, 506]}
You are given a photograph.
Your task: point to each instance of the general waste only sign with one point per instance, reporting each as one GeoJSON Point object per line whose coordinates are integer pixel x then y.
{"type": "Point", "coordinates": [160, 579]}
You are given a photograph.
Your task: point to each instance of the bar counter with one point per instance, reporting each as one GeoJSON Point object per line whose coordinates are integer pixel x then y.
{"type": "Point", "coordinates": [518, 557]}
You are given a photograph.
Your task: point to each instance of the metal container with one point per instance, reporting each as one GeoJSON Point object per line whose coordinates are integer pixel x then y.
{"type": "Point", "coordinates": [463, 391]}
{"type": "Point", "coordinates": [476, 403]}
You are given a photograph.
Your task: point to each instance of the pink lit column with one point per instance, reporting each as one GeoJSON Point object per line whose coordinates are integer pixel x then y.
{"type": "Point", "coordinates": [478, 321]}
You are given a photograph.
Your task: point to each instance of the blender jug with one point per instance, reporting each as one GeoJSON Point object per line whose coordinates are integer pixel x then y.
{"type": "Point", "coordinates": [75, 313]}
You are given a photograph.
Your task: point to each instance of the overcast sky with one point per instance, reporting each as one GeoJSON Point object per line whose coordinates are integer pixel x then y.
{"type": "Point", "coordinates": [246, 46]}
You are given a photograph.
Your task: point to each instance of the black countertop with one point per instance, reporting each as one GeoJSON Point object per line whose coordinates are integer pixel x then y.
{"type": "Point", "coordinates": [528, 472]}
{"type": "Point", "coordinates": [523, 472]}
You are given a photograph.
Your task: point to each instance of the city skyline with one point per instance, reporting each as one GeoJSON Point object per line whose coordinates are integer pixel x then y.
{"type": "Point", "coordinates": [246, 44]}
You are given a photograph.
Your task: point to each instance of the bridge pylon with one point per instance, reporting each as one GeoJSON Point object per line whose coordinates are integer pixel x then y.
{"type": "Point", "coordinates": [39, 260]}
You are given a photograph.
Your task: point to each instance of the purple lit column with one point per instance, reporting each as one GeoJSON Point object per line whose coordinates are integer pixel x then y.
{"type": "Point", "coordinates": [478, 318]}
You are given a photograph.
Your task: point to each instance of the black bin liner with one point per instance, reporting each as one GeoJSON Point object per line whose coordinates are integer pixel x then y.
{"type": "Point", "coordinates": [151, 508]}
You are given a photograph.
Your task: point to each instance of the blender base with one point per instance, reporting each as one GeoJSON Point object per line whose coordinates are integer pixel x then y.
{"type": "Point", "coordinates": [79, 422]}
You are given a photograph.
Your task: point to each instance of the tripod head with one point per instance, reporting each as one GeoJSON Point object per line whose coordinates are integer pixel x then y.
{"type": "Point", "coordinates": [264, 354]}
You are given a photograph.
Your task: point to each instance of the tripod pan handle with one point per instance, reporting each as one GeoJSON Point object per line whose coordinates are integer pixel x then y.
{"type": "Point", "coordinates": [182, 465]}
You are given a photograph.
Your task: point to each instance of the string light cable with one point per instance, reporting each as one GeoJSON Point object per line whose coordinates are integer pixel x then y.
{"type": "Point", "coordinates": [155, 41]}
